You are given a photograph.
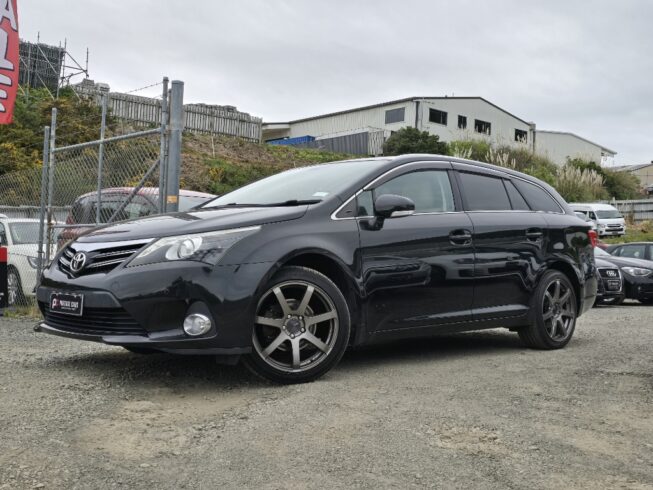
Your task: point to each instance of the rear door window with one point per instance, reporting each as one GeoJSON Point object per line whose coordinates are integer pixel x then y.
{"type": "Point", "coordinates": [484, 193]}
{"type": "Point", "coordinates": [537, 198]}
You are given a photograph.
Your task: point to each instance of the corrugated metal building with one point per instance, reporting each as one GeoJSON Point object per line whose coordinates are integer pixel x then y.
{"type": "Point", "coordinates": [451, 118]}
{"type": "Point", "coordinates": [559, 145]}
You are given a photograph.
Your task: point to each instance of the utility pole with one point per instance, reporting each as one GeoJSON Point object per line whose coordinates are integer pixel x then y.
{"type": "Point", "coordinates": [174, 147]}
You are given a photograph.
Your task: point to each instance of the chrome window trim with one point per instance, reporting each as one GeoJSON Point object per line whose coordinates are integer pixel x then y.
{"type": "Point", "coordinates": [367, 187]}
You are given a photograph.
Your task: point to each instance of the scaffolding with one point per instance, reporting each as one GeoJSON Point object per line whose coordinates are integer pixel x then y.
{"type": "Point", "coordinates": [49, 67]}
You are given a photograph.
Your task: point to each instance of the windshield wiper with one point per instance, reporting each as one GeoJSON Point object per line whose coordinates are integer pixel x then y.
{"type": "Point", "coordinates": [290, 202]}
{"type": "Point", "coordinates": [293, 202]}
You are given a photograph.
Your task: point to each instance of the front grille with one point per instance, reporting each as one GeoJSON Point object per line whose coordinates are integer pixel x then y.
{"type": "Point", "coordinates": [94, 321]}
{"type": "Point", "coordinates": [610, 279]}
{"type": "Point", "coordinates": [615, 226]}
{"type": "Point", "coordinates": [102, 259]}
{"type": "Point", "coordinates": [609, 273]}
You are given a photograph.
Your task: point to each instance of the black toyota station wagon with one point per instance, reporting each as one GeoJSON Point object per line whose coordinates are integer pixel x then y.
{"type": "Point", "coordinates": [287, 272]}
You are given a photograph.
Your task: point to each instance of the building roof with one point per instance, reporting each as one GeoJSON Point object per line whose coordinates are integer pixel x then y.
{"type": "Point", "coordinates": [631, 168]}
{"type": "Point", "coordinates": [607, 150]}
{"type": "Point", "coordinates": [398, 101]}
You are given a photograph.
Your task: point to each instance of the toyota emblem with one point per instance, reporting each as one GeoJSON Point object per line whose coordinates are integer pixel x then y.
{"type": "Point", "coordinates": [78, 261]}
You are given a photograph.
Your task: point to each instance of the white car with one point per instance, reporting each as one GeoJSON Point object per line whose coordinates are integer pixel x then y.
{"type": "Point", "coordinates": [20, 236]}
{"type": "Point", "coordinates": [608, 219]}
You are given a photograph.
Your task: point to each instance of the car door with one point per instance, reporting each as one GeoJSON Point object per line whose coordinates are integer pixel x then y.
{"type": "Point", "coordinates": [417, 269]}
{"type": "Point", "coordinates": [508, 242]}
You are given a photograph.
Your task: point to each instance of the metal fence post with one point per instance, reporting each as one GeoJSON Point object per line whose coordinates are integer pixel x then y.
{"type": "Point", "coordinates": [163, 154]}
{"type": "Point", "coordinates": [44, 190]}
{"type": "Point", "coordinates": [174, 145]}
{"type": "Point", "coordinates": [100, 159]}
{"type": "Point", "coordinates": [51, 160]}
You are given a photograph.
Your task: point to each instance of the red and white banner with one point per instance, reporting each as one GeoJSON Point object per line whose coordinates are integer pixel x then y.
{"type": "Point", "coordinates": [8, 59]}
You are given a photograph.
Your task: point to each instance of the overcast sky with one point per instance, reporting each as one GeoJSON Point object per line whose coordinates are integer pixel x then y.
{"type": "Point", "coordinates": [582, 66]}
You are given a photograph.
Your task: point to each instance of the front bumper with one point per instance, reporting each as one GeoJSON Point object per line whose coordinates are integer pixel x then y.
{"type": "Point", "coordinates": [639, 288]}
{"type": "Point", "coordinates": [611, 231]}
{"type": "Point", "coordinates": [146, 306]}
{"type": "Point", "coordinates": [173, 347]}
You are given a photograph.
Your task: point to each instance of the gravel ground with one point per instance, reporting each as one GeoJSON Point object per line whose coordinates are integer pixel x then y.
{"type": "Point", "coordinates": [460, 411]}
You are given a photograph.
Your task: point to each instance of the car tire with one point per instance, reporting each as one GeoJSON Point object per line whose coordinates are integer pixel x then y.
{"type": "Point", "coordinates": [556, 309]}
{"type": "Point", "coordinates": [301, 327]}
{"type": "Point", "coordinates": [140, 350]}
{"type": "Point", "coordinates": [15, 296]}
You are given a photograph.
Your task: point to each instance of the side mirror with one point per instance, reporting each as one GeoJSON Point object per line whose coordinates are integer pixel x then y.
{"type": "Point", "coordinates": [393, 206]}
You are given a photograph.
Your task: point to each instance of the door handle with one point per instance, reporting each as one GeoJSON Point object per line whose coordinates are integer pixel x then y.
{"type": "Point", "coordinates": [460, 237]}
{"type": "Point", "coordinates": [534, 234]}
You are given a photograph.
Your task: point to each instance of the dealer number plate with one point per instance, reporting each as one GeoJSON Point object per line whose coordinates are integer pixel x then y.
{"type": "Point", "coordinates": [67, 303]}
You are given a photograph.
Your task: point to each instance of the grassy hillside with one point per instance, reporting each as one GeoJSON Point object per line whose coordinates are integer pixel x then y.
{"type": "Point", "coordinates": [220, 164]}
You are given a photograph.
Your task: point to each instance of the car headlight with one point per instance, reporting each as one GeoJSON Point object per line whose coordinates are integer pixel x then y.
{"type": "Point", "coordinates": [637, 271]}
{"type": "Point", "coordinates": [33, 261]}
{"type": "Point", "coordinates": [202, 247]}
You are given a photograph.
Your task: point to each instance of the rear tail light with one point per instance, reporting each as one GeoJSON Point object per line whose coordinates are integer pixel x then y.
{"type": "Point", "coordinates": [594, 239]}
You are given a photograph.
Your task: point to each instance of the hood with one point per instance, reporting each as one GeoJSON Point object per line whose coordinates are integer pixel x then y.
{"type": "Point", "coordinates": [602, 263]}
{"type": "Point", "coordinates": [623, 262]}
{"type": "Point", "coordinates": [197, 221]}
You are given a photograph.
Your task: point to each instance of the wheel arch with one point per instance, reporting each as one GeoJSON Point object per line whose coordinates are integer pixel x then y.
{"type": "Point", "coordinates": [572, 274]}
{"type": "Point", "coordinates": [337, 271]}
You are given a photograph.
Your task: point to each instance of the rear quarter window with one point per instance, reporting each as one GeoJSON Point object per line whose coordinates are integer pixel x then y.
{"type": "Point", "coordinates": [537, 198]}
{"type": "Point", "coordinates": [516, 198]}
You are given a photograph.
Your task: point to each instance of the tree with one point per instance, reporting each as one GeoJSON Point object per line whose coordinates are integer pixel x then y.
{"type": "Point", "coordinates": [21, 142]}
{"type": "Point", "coordinates": [412, 140]}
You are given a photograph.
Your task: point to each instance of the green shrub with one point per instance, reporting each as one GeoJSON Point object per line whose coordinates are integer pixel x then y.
{"type": "Point", "coordinates": [412, 140]}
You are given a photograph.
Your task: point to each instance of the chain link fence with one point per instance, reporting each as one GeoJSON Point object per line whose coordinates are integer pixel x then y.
{"type": "Point", "coordinates": [87, 185]}
{"type": "Point", "coordinates": [97, 180]}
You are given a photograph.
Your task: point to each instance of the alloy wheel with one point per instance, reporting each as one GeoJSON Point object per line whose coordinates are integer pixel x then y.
{"type": "Point", "coordinates": [558, 310]}
{"type": "Point", "coordinates": [296, 326]}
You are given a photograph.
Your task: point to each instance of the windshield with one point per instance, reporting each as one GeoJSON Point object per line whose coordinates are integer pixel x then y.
{"type": "Point", "coordinates": [24, 232]}
{"type": "Point", "coordinates": [609, 214]}
{"type": "Point", "coordinates": [300, 185]}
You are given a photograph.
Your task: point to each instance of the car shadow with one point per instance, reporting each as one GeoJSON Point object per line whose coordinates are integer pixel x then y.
{"type": "Point", "coordinates": [441, 348]}
{"type": "Point", "coordinates": [116, 365]}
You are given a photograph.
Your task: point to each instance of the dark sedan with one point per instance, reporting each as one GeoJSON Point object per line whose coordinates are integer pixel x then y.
{"type": "Point", "coordinates": [637, 276]}
{"type": "Point", "coordinates": [287, 272]}
{"type": "Point", "coordinates": [610, 290]}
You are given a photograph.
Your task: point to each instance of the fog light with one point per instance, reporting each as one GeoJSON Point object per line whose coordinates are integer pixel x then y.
{"type": "Point", "coordinates": [197, 324]}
